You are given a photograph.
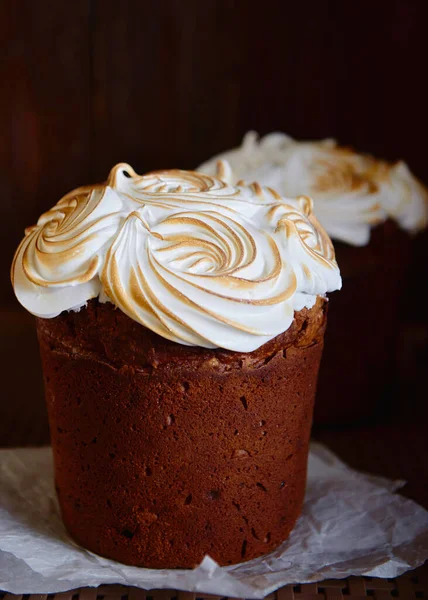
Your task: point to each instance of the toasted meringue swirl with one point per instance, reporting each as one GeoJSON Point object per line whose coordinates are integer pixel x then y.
{"type": "Point", "coordinates": [194, 258]}
{"type": "Point", "coordinates": [352, 192]}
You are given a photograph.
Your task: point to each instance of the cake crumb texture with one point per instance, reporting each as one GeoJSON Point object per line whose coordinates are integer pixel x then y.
{"type": "Point", "coordinates": [164, 453]}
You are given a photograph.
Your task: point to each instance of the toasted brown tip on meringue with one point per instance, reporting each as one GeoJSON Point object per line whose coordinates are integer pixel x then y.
{"type": "Point", "coordinates": [352, 191]}
{"type": "Point", "coordinates": [118, 171]}
{"type": "Point", "coordinates": [192, 257]}
{"type": "Point", "coordinates": [224, 171]}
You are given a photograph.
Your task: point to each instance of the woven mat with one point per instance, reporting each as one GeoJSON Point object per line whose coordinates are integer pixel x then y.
{"type": "Point", "coordinates": [409, 586]}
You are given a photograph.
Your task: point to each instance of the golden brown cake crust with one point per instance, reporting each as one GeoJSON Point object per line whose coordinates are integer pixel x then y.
{"type": "Point", "coordinates": [165, 453]}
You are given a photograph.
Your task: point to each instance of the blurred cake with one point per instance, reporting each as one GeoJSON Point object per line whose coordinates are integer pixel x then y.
{"type": "Point", "coordinates": [181, 322]}
{"type": "Point", "coordinates": [368, 207]}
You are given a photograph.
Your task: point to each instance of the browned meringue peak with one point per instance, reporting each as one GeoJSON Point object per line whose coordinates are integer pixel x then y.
{"type": "Point", "coordinates": [190, 256]}
{"type": "Point", "coordinates": [352, 191]}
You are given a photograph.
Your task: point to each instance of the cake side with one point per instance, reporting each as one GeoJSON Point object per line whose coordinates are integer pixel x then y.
{"type": "Point", "coordinates": [363, 376]}
{"type": "Point", "coordinates": [159, 466]}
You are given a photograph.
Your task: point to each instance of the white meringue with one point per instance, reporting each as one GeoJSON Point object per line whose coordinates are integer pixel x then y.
{"type": "Point", "coordinates": [191, 257]}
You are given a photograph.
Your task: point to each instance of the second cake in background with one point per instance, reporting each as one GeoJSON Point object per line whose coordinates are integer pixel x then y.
{"type": "Point", "coordinates": [368, 207]}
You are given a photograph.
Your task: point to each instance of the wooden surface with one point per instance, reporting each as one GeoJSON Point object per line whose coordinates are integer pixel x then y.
{"type": "Point", "coordinates": [407, 587]}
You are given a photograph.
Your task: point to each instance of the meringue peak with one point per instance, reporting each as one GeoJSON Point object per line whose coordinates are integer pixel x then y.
{"type": "Point", "coordinates": [192, 257]}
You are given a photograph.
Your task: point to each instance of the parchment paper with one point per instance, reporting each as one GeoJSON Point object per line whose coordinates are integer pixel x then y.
{"type": "Point", "coordinates": [352, 524]}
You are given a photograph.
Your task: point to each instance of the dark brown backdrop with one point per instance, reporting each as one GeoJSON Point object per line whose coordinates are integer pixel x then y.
{"type": "Point", "coordinates": [163, 83]}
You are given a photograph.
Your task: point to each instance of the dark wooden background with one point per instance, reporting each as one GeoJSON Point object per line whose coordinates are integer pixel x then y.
{"type": "Point", "coordinates": [163, 83]}
{"type": "Point", "coordinates": [167, 83]}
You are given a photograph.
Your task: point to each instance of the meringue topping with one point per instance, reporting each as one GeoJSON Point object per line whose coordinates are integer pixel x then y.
{"type": "Point", "coordinates": [190, 256]}
{"type": "Point", "coordinates": [352, 192]}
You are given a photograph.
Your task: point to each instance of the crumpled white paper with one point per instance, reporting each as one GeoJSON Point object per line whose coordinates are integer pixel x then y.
{"type": "Point", "coordinates": [352, 524]}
